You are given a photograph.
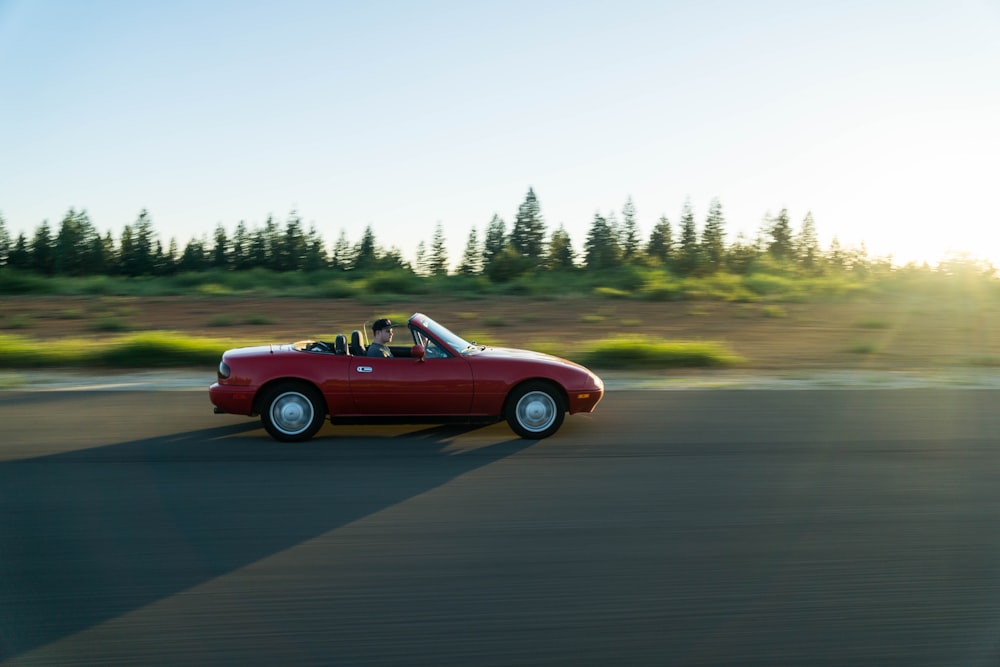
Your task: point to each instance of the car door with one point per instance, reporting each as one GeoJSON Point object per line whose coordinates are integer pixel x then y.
{"type": "Point", "coordinates": [410, 386]}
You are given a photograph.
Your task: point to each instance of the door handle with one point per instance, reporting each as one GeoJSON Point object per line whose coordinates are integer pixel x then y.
{"type": "Point", "coordinates": [364, 369]}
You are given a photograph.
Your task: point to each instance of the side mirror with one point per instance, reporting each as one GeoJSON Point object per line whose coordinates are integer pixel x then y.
{"type": "Point", "coordinates": [418, 352]}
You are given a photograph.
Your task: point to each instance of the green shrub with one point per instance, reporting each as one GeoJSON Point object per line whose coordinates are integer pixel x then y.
{"type": "Point", "coordinates": [662, 288]}
{"type": "Point", "coordinates": [639, 352]}
{"type": "Point", "coordinates": [864, 347]}
{"type": "Point", "coordinates": [773, 311]}
{"type": "Point", "coordinates": [984, 362]}
{"type": "Point", "coordinates": [19, 322]}
{"type": "Point", "coordinates": [20, 352]}
{"type": "Point", "coordinates": [111, 324]}
{"type": "Point", "coordinates": [766, 284]}
{"type": "Point", "coordinates": [717, 287]}
{"type": "Point", "coordinates": [611, 293]}
{"type": "Point", "coordinates": [19, 282]}
{"type": "Point", "coordinates": [150, 349]}
{"type": "Point", "coordinates": [160, 348]}
{"type": "Point", "coordinates": [397, 281]}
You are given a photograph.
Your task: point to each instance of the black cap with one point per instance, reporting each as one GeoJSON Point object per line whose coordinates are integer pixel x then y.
{"type": "Point", "coordinates": [378, 325]}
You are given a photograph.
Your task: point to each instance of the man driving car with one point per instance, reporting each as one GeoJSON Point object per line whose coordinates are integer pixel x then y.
{"type": "Point", "coordinates": [381, 337]}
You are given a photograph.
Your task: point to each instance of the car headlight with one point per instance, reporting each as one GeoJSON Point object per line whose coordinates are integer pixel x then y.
{"type": "Point", "coordinates": [224, 371]}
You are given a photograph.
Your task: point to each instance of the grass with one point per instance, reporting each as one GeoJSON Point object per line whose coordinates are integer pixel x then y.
{"type": "Point", "coordinates": [863, 348]}
{"type": "Point", "coordinates": [163, 349]}
{"type": "Point", "coordinates": [611, 293]}
{"type": "Point", "coordinates": [636, 352]}
{"type": "Point", "coordinates": [773, 311]}
{"type": "Point", "coordinates": [111, 324]}
{"type": "Point", "coordinates": [872, 324]}
{"type": "Point", "coordinates": [229, 321]}
{"type": "Point", "coordinates": [984, 362]}
{"type": "Point", "coordinates": [144, 350]}
{"type": "Point", "coordinates": [19, 322]}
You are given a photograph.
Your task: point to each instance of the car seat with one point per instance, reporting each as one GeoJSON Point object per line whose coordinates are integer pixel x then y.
{"type": "Point", "coordinates": [340, 344]}
{"type": "Point", "coordinates": [357, 347]}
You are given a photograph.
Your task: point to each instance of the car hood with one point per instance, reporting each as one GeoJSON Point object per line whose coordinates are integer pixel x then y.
{"type": "Point", "coordinates": [511, 353]}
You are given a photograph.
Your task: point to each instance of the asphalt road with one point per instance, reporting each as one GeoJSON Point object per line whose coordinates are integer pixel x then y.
{"type": "Point", "coordinates": [669, 528]}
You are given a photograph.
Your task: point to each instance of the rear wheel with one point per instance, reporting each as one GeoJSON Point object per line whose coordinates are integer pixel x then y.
{"type": "Point", "coordinates": [292, 412]}
{"type": "Point", "coordinates": [535, 410]}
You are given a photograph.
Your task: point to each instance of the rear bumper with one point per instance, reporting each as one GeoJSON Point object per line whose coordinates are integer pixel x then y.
{"type": "Point", "coordinates": [231, 400]}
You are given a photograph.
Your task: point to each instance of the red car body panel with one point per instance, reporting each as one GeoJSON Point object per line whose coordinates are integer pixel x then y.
{"type": "Point", "coordinates": [473, 382]}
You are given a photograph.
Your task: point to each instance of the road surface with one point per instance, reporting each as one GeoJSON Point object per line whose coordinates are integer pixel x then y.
{"type": "Point", "coordinates": [668, 528]}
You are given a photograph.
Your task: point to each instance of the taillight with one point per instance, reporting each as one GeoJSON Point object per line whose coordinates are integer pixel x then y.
{"type": "Point", "coordinates": [224, 371]}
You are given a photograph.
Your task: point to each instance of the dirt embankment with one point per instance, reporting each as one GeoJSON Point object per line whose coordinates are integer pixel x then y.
{"type": "Point", "coordinates": [899, 334]}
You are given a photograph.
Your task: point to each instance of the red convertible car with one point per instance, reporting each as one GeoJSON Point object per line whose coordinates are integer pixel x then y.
{"type": "Point", "coordinates": [440, 377]}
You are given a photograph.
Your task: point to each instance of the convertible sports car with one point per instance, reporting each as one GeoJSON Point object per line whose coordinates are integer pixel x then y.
{"type": "Point", "coordinates": [441, 377]}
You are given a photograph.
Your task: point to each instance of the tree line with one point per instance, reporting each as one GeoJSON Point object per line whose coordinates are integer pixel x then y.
{"type": "Point", "coordinates": [76, 248]}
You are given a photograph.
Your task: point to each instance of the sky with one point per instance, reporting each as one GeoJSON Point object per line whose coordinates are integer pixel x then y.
{"type": "Point", "coordinates": [880, 117]}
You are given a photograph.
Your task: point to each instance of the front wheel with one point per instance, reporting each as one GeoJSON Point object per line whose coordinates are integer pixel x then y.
{"type": "Point", "coordinates": [292, 412]}
{"type": "Point", "coordinates": [535, 410]}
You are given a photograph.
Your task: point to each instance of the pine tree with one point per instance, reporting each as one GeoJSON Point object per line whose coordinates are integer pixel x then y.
{"type": "Point", "coordinates": [713, 237]}
{"type": "Point", "coordinates": [472, 258]}
{"type": "Point", "coordinates": [315, 257]}
{"type": "Point", "coordinates": [168, 266]}
{"type": "Point", "coordinates": [20, 254]}
{"type": "Point", "coordinates": [270, 244]}
{"type": "Point", "coordinates": [660, 247]}
{"type": "Point", "coordinates": [836, 258]}
{"type": "Point", "coordinates": [290, 246]}
{"type": "Point", "coordinates": [781, 246]}
{"type": "Point", "coordinates": [742, 254]}
{"type": "Point", "coordinates": [601, 247]}
{"type": "Point", "coordinates": [366, 251]}
{"type": "Point", "coordinates": [145, 238]}
{"type": "Point", "coordinates": [126, 253]}
{"type": "Point", "coordinates": [135, 254]}
{"type": "Point", "coordinates": [688, 254]}
{"type": "Point", "coordinates": [195, 257]}
{"type": "Point", "coordinates": [221, 250]}
{"type": "Point", "coordinates": [629, 232]}
{"type": "Point", "coordinates": [100, 254]}
{"type": "Point", "coordinates": [392, 259]}
{"type": "Point", "coordinates": [495, 242]}
{"type": "Point", "coordinates": [422, 268]}
{"type": "Point", "coordinates": [239, 252]}
{"type": "Point", "coordinates": [528, 235]}
{"type": "Point", "coordinates": [5, 244]}
{"type": "Point", "coordinates": [561, 254]}
{"type": "Point", "coordinates": [807, 244]}
{"type": "Point", "coordinates": [342, 258]}
{"type": "Point", "coordinates": [43, 256]}
{"type": "Point", "coordinates": [69, 239]}
{"type": "Point", "coordinates": [437, 262]}
{"type": "Point", "coordinates": [162, 265]}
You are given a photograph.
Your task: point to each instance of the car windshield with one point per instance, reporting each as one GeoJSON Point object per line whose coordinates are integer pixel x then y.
{"type": "Point", "coordinates": [445, 335]}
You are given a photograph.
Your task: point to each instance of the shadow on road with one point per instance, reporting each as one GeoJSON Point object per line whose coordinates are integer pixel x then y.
{"type": "Point", "coordinates": [91, 534]}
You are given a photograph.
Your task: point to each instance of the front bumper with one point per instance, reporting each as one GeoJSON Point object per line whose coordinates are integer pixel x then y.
{"type": "Point", "coordinates": [231, 400]}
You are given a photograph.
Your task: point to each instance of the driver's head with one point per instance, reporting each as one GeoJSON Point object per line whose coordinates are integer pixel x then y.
{"type": "Point", "coordinates": [384, 327]}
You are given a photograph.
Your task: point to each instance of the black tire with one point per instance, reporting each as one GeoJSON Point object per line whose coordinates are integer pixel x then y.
{"type": "Point", "coordinates": [292, 412]}
{"type": "Point", "coordinates": [535, 410]}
